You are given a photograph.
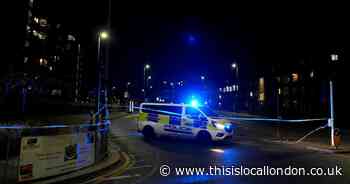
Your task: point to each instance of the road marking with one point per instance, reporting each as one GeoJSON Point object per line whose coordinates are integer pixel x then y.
{"type": "Point", "coordinates": [121, 177]}
{"type": "Point", "coordinates": [128, 162]}
{"type": "Point", "coordinates": [138, 167]}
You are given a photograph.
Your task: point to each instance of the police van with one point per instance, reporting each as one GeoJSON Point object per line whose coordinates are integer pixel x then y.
{"type": "Point", "coordinates": [181, 120]}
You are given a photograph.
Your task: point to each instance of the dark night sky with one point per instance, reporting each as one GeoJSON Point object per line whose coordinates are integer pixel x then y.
{"type": "Point", "coordinates": [251, 36]}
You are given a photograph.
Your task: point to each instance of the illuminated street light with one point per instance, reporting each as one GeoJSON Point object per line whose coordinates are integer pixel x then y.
{"type": "Point", "coordinates": [147, 66]}
{"type": "Point", "coordinates": [202, 77]}
{"type": "Point", "coordinates": [104, 35]}
{"type": "Point", "coordinates": [149, 78]}
{"type": "Point", "coordinates": [234, 65]}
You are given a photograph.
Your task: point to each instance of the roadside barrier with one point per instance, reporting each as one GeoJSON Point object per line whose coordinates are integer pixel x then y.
{"type": "Point", "coordinates": [34, 153]}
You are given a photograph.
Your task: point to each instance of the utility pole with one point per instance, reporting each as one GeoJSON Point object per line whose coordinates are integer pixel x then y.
{"type": "Point", "coordinates": [77, 76]}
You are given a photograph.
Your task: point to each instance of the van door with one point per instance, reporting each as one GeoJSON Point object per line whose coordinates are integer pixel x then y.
{"type": "Point", "coordinates": [193, 120]}
{"type": "Point", "coordinates": [173, 114]}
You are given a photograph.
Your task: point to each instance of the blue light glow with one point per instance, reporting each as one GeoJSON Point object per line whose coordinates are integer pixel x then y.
{"type": "Point", "coordinates": [228, 128]}
{"type": "Point", "coordinates": [191, 39]}
{"type": "Point", "coordinates": [194, 103]}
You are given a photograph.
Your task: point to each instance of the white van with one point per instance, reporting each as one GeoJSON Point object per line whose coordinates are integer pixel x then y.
{"type": "Point", "coordinates": [181, 120]}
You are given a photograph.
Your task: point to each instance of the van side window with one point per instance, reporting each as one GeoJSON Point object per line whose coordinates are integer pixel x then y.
{"type": "Point", "coordinates": [192, 113]}
{"type": "Point", "coordinates": [199, 121]}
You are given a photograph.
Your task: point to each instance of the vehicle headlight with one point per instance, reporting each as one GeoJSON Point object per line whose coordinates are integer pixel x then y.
{"type": "Point", "coordinates": [228, 127]}
{"type": "Point", "coordinates": [220, 126]}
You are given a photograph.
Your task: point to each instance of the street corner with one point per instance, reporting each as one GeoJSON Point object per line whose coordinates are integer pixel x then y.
{"type": "Point", "coordinates": [127, 161]}
{"type": "Point", "coordinates": [115, 170]}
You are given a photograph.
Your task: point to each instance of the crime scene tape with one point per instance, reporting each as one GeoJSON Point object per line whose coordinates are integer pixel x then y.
{"type": "Point", "coordinates": [259, 119]}
{"type": "Point", "coordinates": [160, 111]}
{"type": "Point", "coordinates": [246, 119]}
{"type": "Point", "coordinates": [276, 120]}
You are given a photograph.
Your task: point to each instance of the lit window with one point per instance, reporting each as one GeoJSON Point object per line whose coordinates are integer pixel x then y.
{"type": "Point", "coordinates": [312, 74]}
{"type": "Point", "coordinates": [295, 77]}
{"type": "Point", "coordinates": [35, 33]}
{"type": "Point", "coordinates": [43, 22]}
{"type": "Point", "coordinates": [334, 57]}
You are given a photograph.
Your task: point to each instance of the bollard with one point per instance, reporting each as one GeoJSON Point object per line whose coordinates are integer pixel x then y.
{"type": "Point", "coordinates": [337, 138]}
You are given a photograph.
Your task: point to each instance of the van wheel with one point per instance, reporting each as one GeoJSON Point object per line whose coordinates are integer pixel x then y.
{"type": "Point", "coordinates": [148, 133]}
{"type": "Point", "coordinates": [204, 137]}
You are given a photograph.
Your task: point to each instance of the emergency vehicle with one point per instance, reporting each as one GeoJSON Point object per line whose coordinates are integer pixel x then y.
{"type": "Point", "coordinates": [184, 121]}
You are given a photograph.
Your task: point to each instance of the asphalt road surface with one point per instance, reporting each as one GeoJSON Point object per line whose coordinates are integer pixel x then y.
{"type": "Point", "coordinates": [148, 156]}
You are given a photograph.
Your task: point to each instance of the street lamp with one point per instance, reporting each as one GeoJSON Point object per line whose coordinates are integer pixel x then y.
{"type": "Point", "coordinates": [102, 35]}
{"type": "Point", "coordinates": [234, 66]}
{"type": "Point", "coordinates": [334, 58]}
{"type": "Point", "coordinates": [145, 68]}
{"type": "Point", "coordinates": [202, 77]}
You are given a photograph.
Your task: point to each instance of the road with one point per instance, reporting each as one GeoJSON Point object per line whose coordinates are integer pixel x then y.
{"type": "Point", "coordinates": [147, 157]}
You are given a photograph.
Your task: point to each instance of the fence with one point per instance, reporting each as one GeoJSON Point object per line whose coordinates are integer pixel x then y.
{"type": "Point", "coordinates": [32, 153]}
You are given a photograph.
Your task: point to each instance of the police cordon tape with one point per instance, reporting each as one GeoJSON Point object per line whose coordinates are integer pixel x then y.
{"type": "Point", "coordinates": [246, 119]}
{"type": "Point", "coordinates": [275, 120]}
